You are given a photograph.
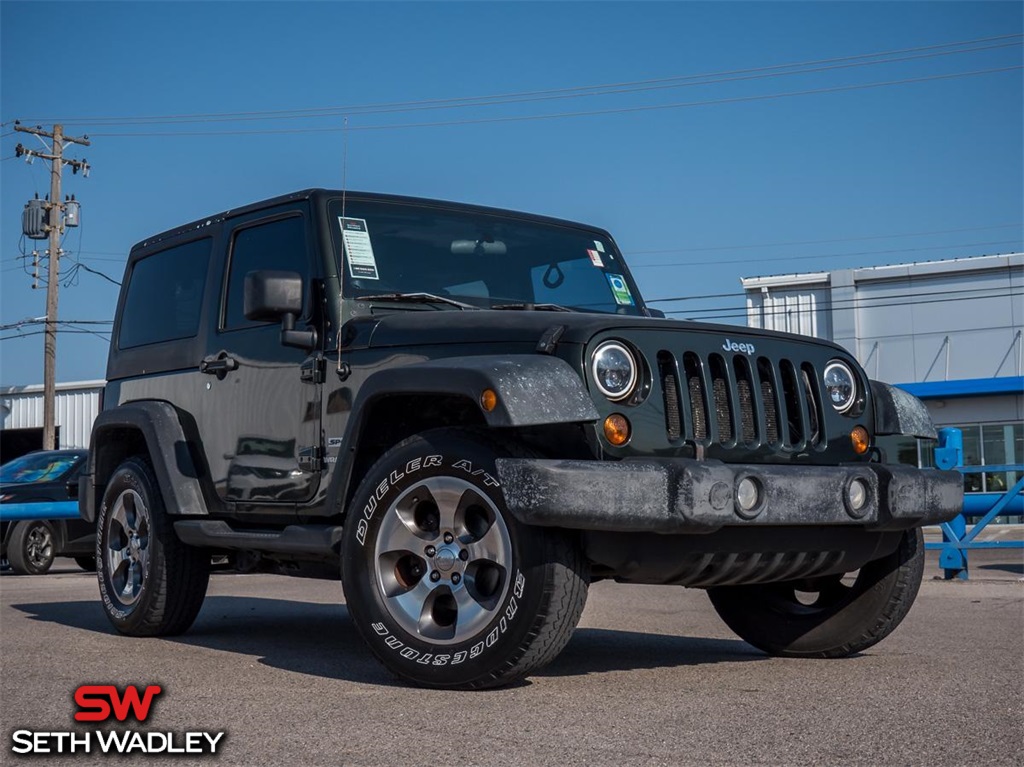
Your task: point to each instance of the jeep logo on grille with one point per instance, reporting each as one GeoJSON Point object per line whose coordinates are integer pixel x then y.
{"type": "Point", "coordinates": [732, 346]}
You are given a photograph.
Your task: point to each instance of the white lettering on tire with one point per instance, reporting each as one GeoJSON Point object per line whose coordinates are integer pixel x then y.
{"type": "Point", "coordinates": [429, 659]}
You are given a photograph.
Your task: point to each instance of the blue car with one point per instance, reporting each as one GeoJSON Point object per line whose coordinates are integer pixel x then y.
{"type": "Point", "coordinates": [39, 512]}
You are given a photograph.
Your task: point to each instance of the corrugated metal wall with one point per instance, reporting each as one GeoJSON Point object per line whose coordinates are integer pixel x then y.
{"type": "Point", "coordinates": [77, 404]}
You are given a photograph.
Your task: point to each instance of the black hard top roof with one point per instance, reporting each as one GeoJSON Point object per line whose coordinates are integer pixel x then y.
{"type": "Point", "coordinates": [320, 194]}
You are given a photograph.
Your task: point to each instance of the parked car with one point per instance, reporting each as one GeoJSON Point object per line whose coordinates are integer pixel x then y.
{"type": "Point", "coordinates": [39, 518]}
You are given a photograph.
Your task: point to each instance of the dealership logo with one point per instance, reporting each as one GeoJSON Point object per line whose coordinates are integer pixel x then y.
{"type": "Point", "coordinates": [106, 703]}
{"type": "Point", "coordinates": [97, 702]}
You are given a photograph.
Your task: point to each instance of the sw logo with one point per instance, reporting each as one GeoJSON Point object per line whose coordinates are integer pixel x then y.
{"type": "Point", "coordinates": [96, 702]}
{"type": "Point", "coordinates": [105, 703]}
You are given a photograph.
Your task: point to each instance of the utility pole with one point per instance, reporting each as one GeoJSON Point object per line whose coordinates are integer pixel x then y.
{"type": "Point", "coordinates": [54, 229]}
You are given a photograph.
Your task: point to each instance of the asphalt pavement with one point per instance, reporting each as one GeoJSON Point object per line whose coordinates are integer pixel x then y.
{"type": "Point", "coordinates": [652, 676]}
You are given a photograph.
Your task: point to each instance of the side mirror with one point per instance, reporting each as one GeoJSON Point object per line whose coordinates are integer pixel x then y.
{"type": "Point", "coordinates": [658, 313]}
{"type": "Point", "coordinates": [272, 295]}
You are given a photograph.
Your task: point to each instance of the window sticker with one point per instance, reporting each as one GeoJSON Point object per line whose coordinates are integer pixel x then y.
{"type": "Point", "coordinates": [620, 289]}
{"type": "Point", "coordinates": [599, 246]}
{"type": "Point", "coordinates": [361, 262]}
{"type": "Point", "coordinates": [595, 258]}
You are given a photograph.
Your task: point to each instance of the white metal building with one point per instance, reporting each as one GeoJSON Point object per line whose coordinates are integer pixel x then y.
{"type": "Point", "coordinates": [77, 405]}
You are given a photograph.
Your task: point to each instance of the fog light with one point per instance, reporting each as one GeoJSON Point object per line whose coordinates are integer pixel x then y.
{"type": "Point", "coordinates": [857, 495]}
{"type": "Point", "coordinates": [748, 495]}
{"type": "Point", "coordinates": [616, 429]}
{"type": "Point", "coordinates": [488, 400]}
{"type": "Point", "coordinates": [860, 439]}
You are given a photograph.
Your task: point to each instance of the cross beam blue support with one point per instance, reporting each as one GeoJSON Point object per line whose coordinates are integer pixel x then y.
{"type": "Point", "coordinates": [11, 512]}
{"type": "Point", "coordinates": [956, 540]}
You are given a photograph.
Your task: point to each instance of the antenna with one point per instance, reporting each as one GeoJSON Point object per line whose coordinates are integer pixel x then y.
{"type": "Point", "coordinates": [344, 173]}
{"type": "Point", "coordinates": [341, 265]}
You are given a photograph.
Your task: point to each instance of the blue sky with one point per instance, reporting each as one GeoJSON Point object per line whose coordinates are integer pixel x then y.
{"type": "Point", "coordinates": [872, 175]}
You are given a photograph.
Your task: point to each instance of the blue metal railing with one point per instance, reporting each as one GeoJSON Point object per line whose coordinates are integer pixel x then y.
{"type": "Point", "coordinates": [956, 538]}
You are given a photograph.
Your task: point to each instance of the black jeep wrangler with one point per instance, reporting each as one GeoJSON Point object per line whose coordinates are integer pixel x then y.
{"type": "Point", "coordinates": [470, 414]}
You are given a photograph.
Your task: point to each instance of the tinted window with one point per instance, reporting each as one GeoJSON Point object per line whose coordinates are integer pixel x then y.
{"type": "Point", "coordinates": [38, 467]}
{"type": "Point", "coordinates": [165, 295]}
{"type": "Point", "coordinates": [279, 245]}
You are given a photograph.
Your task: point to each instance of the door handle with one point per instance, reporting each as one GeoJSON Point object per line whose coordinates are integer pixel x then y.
{"type": "Point", "coordinates": [218, 366]}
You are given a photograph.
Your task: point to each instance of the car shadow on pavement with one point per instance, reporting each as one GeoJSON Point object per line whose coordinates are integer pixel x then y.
{"type": "Point", "coordinates": [592, 651]}
{"type": "Point", "coordinates": [321, 640]}
{"type": "Point", "coordinates": [1008, 567]}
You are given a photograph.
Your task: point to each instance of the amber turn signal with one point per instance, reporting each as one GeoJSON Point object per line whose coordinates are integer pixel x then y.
{"type": "Point", "coordinates": [488, 400]}
{"type": "Point", "coordinates": [616, 429]}
{"type": "Point", "coordinates": [860, 439]}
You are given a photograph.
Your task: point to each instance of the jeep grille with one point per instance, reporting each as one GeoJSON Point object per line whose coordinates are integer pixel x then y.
{"type": "Point", "coordinates": [735, 400]}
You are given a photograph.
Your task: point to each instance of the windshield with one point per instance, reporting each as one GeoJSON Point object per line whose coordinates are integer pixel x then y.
{"type": "Point", "coordinates": [37, 467]}
{"type": "Point", "coordinates": [487, 260]}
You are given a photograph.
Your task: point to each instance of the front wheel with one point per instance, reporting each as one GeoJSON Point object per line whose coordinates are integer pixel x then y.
{"type": "Point", "coordinates": [828, 617]}
{"type": "Point", "coordinates": [447, 588]}
{"type": "Point", "coordinates": [32, 547]}
{"type": "Point", "coordinates": [151, 583]}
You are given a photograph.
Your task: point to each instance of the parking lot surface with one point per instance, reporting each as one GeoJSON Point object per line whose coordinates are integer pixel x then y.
{"type": "Point", "coordinates": [652, 676]}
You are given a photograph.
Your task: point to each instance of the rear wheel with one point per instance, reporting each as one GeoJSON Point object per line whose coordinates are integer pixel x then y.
{"type": "Point", "coordinates": [828, 617]}
{"type": "Point", "coordinates": [150, 582]}
{"type": "Point", "coordinates": [447, 588]}
{"type": "Point", "coordinates": [32, 547]}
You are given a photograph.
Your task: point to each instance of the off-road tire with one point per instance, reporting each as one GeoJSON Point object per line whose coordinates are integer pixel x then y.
{"type": "Point", "coordinates": [543, 587]}
{"type": "Point", "coordinates": [845, 619]}
{"type": "Point", "coordinates": [32, 547]}
{"type": "Point", "coordinates": [174, 576]}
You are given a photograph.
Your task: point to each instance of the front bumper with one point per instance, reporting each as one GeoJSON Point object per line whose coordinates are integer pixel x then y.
{"type": "Point", "coordinates": [689, 496]}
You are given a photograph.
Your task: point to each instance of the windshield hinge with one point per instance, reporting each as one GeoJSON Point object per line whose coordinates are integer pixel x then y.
{"type": "Point", "coordinates": [548, 341]}
{"type": "Point", "coordinates": [313, 370]}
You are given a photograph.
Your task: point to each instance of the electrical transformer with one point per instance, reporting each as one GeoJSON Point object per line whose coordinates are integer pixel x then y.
{"type": "Point", "coordinates": [33, 220]}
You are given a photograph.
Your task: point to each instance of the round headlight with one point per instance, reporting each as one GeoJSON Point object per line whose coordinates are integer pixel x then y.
{"type": "Point", "coordinates": [840, 385]}
{"type": "Point", "coordinates": [614, 369]}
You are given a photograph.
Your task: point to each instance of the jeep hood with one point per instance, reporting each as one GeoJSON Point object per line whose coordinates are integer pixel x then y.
{"type": "Point", "coordinates": [416, 328]}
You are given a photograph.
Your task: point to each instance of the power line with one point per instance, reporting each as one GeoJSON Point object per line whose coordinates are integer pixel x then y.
{"type": "Point", "coordinates": [91, 255]}
{"type": "Point", "coordinates": [78, 265]}
{"type": "Point", "coordinates": [823, 255]}
{"type": "Point", "coordinates": [862, 302]}
{"type": "Point", "coordinates": [562, 115]}
{"type": "Point", "coordinates": [632, 253]}
{"type": "Point", "coordinates": [33, 321]}
{"type": "Point", "coordinates": [774, 313]}
{"type": "Point", "coordinates": [555, 93]}
{"type": "Point", "coordinates": [743, 293]}
{"type": "Point", "coordinates": [58, 330]}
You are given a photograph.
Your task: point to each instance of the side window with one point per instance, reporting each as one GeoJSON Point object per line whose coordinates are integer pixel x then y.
{"type": "Point", "coordinates": [279, 245]}
{"type": "Point", "coordinates": [165, 295]}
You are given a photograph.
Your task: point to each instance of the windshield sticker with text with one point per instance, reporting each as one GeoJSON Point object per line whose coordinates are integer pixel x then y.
{"type": "Point", "coordinates": [356, 236]}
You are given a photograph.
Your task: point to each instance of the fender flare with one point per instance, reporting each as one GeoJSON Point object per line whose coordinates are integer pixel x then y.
{"type": "Point", "coordinates": [533, 390]}
{"type": "Point", "coordinates": [898, 412]}
{"type": "Point", "coordinates": [177, 474]}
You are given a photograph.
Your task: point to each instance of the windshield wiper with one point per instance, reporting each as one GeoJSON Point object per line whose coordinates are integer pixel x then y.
{"type": "Point", "coordinates": [418, 298]}
{"type": "Point", "coordinates": [528, 307]}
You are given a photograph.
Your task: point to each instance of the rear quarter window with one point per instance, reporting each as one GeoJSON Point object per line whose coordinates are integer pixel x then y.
{"type": "Point", "coordinates": [165, 295]}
